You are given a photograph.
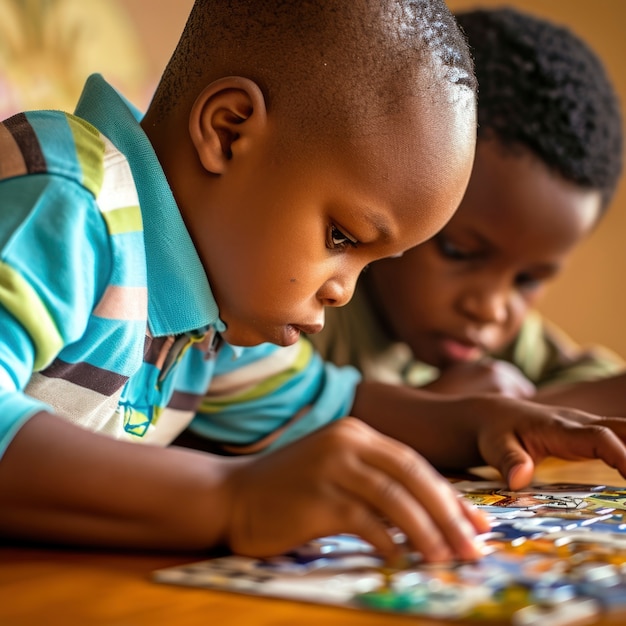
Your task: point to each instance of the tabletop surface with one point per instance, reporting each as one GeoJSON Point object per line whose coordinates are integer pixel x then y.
{"type": "Point", "coordinates": [50, 586]}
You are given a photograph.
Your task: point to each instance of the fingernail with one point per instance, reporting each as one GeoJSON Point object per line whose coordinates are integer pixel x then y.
{"type": "Point", "coordinates": [513, 472]}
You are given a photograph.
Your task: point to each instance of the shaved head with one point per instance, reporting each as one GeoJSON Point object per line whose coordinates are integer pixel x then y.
{"type": "Point", "coordinates": [323, 64]}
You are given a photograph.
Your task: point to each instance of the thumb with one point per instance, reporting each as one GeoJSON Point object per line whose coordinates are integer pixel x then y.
{"type": "Point", "coordinates": [512, 461]}
{"type": "Point", "coordinates": [520, 473]}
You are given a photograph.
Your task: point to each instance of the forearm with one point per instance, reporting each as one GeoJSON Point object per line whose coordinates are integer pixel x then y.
{"type": "Point", "coordinates": [61, 483]}
{"type": "Point", "coordinates": [602, 397]}
{"type": "Point", "coordinates": [440, 428]}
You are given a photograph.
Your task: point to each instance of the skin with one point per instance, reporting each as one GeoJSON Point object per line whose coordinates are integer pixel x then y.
{"type": "Point", "coordinates": [604, 397]}
{"type": "Point", "coordinates": [463, 295]}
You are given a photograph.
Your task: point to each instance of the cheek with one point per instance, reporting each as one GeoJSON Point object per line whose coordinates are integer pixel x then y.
{"type": "Point", "coordinates": [519, 307]}
{"type": "Point", "coordinates": [433, 289]}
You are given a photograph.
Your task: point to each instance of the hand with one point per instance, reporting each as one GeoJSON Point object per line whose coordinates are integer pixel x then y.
{"type": "Point", "coordinates": [347, 477]}
{"type": "Point", "coordinates": [485, 376]}
{"type": "Point", "coordinates": [526, 433]}
{"type": "Point", "coordinates": [457, 432]}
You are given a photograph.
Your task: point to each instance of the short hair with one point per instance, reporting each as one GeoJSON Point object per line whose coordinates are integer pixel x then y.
{"type": "Point", "coordinates": [541, 87]}
{"type": "Point", "coordinates": [320, 61]}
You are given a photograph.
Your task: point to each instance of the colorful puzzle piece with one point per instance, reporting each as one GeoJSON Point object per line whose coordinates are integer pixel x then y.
{"type": "Point", "coordinates": [555, 555]}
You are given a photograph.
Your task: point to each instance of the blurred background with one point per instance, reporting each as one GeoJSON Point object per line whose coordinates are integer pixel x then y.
{"type": "Point", "coordinates": [49, 47]}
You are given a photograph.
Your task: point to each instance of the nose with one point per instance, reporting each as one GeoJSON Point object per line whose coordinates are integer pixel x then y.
{"type": "Point", "coordinates": [337, 291]}
{"type": "Point", "coordinates": [487, 305]}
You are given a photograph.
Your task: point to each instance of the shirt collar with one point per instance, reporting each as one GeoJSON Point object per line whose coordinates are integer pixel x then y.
{"type": "Point", "coordinates": [179, 296]}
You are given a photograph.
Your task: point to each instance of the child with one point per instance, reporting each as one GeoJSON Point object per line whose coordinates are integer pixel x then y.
{"type": "Point", "coordinates": [287, 146]}
{"type": "Point", "coordinates": [455, 314]}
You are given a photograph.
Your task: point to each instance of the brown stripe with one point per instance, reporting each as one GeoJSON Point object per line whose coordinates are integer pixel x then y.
{"type": "Point", "coordinates": [27, 141]}
{"type": "Point", "coordinates": [154, 352]}
{"type": "Point", "coordinates": [260, 444]}
{"type": "Point", "coordinates": [86, 375]}
{"type": "Point", "coordinates": [12, 162]}
{"type": "Point", "coordinates": [184, 401]}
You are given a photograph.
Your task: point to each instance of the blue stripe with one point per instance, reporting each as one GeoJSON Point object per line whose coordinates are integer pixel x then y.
{"type": "Point", "coordinates": [57, 144]}
{"type": "Point", "coordinates": [131, 273]}
{"type": "Point", "coordinates": [104, 334]}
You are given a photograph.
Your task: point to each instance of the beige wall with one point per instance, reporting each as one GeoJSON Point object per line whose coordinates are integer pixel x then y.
{"type": "Point", "coordinates": [159, 23]}
{"type": "Point", "coordinates": [588, 300]}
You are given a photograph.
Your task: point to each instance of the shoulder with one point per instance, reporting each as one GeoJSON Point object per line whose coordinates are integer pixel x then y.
{"type": "Point", "coordinates": [65, 147]}
{"type": "Point", "coordinates": [55, 143]}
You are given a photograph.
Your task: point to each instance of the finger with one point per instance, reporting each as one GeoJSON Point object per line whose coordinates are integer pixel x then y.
{"type": "Point", "coordinates": [397, 509]}
{"type": "Point", "coordinates": [593, 441]}
{"type": "Point", "coordinates": [509, 457]}
{"type": "Point", "coordinates": [414, 497]}
{"type": "Point", "coordinates": [477, 518]}
{"type": "Point", "coordinates": [394, 502]}
{"type": "Point", "coordinates": [616, 424]}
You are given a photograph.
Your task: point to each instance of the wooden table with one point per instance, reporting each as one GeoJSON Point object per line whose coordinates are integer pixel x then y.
{"type": "Point", "coordinates": [50, 587]}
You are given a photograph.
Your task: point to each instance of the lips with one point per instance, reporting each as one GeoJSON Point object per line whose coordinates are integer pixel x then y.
{"type": "Point", "coordinates": [309, 329]}
{"type": "Point", "coordinates": [291, 333]}
{"type": "Point", "coordinates": [460, 350]}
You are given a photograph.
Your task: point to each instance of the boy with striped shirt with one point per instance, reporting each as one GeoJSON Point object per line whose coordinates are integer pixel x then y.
{"type": "Point", "coordinates": [148, 261]}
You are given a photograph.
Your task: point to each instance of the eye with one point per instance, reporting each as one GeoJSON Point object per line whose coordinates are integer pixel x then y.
{"type": "Point", "coordinates": [451, 251]}
{"type": "Point", "coordinates": [534, 279]}
{"type": "Point", "coordinates": [337, 239]}
{"type": "Point", "coordinates": [528, 282]}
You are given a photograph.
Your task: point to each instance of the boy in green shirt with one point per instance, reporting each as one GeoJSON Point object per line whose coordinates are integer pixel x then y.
{"type": "Point", "coordinates": [455, 315]}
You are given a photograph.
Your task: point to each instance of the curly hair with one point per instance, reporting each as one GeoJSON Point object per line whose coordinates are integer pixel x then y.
{"type": "Point", "coordinates": [541, 87]}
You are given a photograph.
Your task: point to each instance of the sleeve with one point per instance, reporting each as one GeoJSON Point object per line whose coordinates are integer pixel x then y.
{"type": "Point", "coordinates": [548, 356]}
{"type": "Point", "coordinates": [54, 255]}
{"type": "Point", "coordinates": [263, 397]}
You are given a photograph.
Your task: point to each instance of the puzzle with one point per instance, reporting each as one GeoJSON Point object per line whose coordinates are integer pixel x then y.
{"type": "Point", "coordinates": [555, 555]}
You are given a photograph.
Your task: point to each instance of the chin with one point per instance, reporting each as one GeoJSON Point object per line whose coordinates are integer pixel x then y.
{"type": "Point", "coordinates": [245, 339]}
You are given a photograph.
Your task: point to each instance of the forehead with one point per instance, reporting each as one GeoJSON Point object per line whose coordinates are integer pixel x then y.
{"type": "Point", "coordinates": [417, 161]}
{"type": "Point", "coordinates": [513, 197]}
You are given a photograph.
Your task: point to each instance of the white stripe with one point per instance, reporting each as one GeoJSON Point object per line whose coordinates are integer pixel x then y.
{"type": "Point", "coordinates": [84, 407]}
{"type": "Point", "coordinates": [251, 375]}
{"type": "Point", "coordinates": [170, 424]}
{"type": "Point", "coordinates": [118, 187]}
{"type": "Point", "coordinates": [99, 413]}
{"type": "Point", "coordinates": [6, 382]}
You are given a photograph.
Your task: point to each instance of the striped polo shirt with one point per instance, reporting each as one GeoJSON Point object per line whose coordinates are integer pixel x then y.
{"type": "Point", "coordinates": [106, 313]}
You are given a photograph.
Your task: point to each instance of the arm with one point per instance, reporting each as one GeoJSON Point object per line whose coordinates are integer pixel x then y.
{"type": "Point", "coordinates": [60, 483]}
{"type": "Point", "coordinates": [511, 435]}
{"type": "Point", "coordinates": [603, 397]}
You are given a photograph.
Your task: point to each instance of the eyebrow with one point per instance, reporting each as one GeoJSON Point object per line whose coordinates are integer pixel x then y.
{"type": "Point", "coordinates": [378, 220]}
{"type": "Point", "coordinates": [547, 268]}
{"type": "Point", "coordinates": [552, 268]}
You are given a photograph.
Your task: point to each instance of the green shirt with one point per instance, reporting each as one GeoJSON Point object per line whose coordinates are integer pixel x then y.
{"type": "Point", "coordinates": [543, 352]}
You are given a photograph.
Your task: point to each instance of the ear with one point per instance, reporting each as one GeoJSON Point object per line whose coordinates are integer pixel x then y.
{"type": "Point", "coordinates": [227, 114]}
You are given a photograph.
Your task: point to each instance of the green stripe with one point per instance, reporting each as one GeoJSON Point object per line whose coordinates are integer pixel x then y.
{"type": "Point", "coordinates": [89, 150]}
{"type": "Point", "coordinates": [265, 388]}
{"type": "Point", "coordinates": [22, 301]}
{"type": "Point", "coordinates": [136, 422]}
{"type": "Point", "coordinates": [123, 220]}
